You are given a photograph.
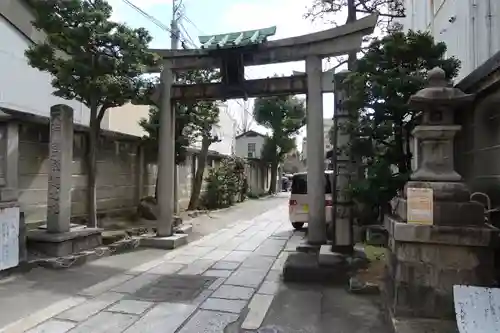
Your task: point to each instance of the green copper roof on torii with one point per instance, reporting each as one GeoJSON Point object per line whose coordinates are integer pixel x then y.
{"type": "Point", "coordinates": [236, 39]}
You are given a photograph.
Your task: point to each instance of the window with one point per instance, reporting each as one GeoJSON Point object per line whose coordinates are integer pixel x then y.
{"type": "Point", "coordinates": [251, 147]}
{"type": "Point", "coordinates": [299, 184]}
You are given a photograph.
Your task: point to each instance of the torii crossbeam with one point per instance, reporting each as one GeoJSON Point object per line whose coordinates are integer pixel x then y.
{"type": "Point", "coordinates": [231, 53]}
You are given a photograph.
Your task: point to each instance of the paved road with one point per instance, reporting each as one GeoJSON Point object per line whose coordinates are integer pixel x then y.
{"type": "Point", "coordinates": [227, 281]}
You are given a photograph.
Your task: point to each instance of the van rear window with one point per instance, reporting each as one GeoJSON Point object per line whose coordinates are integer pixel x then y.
{"type": "Point", "coordinates": [299, 184]}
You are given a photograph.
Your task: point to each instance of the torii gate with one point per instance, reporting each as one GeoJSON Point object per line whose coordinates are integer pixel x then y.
{"type": "Point", "coordinates": [231, 53]}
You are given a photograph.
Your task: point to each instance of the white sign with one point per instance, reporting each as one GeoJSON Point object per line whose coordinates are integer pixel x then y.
{"type": "Point", "coordinates": [9, 237]}
{"type": "Point", "coordinates": [420, 205]}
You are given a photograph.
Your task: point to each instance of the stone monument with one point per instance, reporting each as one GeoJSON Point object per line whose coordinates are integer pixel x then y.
{"type": "Point", "coordinates": [437, 237]}
{"type": "Point", "coordinates": [59, 237]}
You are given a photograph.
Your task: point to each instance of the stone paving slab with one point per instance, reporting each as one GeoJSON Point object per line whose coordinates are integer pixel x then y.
{"type": "Point", "coordinates": [218, 273]}
{"type": "Point", "coordinates": [258, 309]}
{"type": "Point", "coordinates": [226, 265]}
{"type": "Point", "coordinates": [136, 283]}
{"type": "Point", "coordinates": [237, 256]}
{"type": "Point", "coordinates": [197, 267]}
{"type": "Point", "coordinates": [106, 322]}
{"type": "Point", "coordinates": [209, 322]}
{"type": "Point", "coordinates": [224, 305]}
{"type": "Point", "coordinates": [166, 268]}
{"type": "Point", "coordinates": [131, 307]}
{"type": "Point", "coordinates": [53, 326]}
{"type": "Point", "coordinates": [233, 292]}
{"type": "Point", "coordinates": [91, 307]}
{"type": "Point", "coordinates": [165, 317]}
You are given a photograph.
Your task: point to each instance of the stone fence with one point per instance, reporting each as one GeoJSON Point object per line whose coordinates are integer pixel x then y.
{"type": "Point", "coordinates": [126, 169]}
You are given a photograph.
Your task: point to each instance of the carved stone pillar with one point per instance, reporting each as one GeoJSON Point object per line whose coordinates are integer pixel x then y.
{"type": "Point", "coordinates": [60, 173]}
{"type": "Point", "coordinates": [343, 168]}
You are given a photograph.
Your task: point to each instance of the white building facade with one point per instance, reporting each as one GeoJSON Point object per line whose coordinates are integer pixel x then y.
{"type": "Point", "coordinates": [470, 28]}
{"type": "Point", "coordinates": [249, 145]}
{"type": "Point", "coordinates": [23, 88]}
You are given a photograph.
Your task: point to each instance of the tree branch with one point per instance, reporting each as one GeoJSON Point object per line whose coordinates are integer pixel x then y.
{"type": "Point", "coordinates": [365, 11]}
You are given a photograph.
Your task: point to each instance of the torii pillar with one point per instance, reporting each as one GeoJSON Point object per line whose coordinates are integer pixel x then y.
{"type": "Point", "coordinates": [166, 155]}
{"type": "Point", "coordinates": [316, 234]}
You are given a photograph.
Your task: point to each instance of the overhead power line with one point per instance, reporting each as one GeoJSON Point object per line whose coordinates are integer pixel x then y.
{"type": "Point", "coordinates": [157, 22]}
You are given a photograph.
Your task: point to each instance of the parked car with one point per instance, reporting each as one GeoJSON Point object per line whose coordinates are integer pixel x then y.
{"type": "Point", "coordinates": [298, 207]}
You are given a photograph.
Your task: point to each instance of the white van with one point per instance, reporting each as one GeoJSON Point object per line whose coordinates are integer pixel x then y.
{"type": "Point", "coordinates": [298, 207]}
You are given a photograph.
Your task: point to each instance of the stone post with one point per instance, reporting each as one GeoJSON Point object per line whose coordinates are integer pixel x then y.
{"type": "Point", "coordinates": [60, 173]}
{"type": "Point", "coordinates": [166, 156]}
{"type": "Point", "coordinates": [315, 160]}
{"type": "Point", "coordinates": [343, 167]}
{"type": "Point", "coordinates": [437, 237]}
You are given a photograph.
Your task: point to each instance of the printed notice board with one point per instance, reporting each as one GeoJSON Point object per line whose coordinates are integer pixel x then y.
{"type": "Point", "coordinates": [420, 208]}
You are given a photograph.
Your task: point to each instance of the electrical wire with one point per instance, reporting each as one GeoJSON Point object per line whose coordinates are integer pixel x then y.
{"type": "Point", "coordinates": [184, 30]}
{"type": "Point", "coordinates": [157, 22]}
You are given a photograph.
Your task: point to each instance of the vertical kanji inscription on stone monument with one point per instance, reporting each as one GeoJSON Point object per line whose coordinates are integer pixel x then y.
{"type": "Point", "coordinates": [61, 159]}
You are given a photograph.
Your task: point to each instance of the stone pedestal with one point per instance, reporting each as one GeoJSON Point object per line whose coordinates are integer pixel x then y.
{"type": "Point", "coordinates": [426, 261]}
{"type": "Point", "coordinates": [75, 240]}
{"type": "Point", "coordinates": [58, 238]}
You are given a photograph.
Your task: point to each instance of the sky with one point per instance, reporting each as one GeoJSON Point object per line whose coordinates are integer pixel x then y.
{"type": "Point", "coordinates": [207, 17]}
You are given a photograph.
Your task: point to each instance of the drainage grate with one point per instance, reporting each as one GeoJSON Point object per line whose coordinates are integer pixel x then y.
{"type": "Point", "coordinates": [174, 288]}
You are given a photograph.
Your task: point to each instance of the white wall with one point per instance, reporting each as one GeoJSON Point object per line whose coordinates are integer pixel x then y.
{"type": "Point", "coordinates": [23, 88]}
{"type": "Point", "coordinates": [470, 28]}
{"type": "Point", "coordinates": [242, 145]}
{"type": "Point", "coordinates": [226, 131]}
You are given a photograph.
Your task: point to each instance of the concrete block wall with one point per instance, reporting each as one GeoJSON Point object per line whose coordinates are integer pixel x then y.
{"type": "Point", "coordinates": [125, 174]}
{"type": "Point", "coordinates": [116, 174]}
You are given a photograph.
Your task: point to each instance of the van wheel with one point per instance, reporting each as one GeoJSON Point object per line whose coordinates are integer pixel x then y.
{"type": "Point", "coordinates": [298, 225]}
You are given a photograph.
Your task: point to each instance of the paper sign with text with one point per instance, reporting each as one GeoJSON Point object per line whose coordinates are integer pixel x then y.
{"type": "Point", "coordinates": [420, 205]}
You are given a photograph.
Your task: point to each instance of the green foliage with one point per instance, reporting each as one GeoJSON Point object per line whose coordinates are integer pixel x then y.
{"type": "Point", "coordinates": [225, 184]}
{"type": "Point", "coordinates": [91, 59]}
{"type": "Point", "coordinates": [183, 133]}
{"type": "Point", "coordinates": [284, 116]}
{"type": "Point", "coordinates": [393, 68]}
{"type": "Point", "coordinates": [193, 120]}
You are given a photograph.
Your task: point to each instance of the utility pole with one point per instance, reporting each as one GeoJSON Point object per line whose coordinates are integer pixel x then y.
{"type": "Point", "coordinates": [174, 44]}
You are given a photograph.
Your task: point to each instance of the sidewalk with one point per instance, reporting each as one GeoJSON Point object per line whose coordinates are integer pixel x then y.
{"type": "Point", "coordinates": [223, 282]}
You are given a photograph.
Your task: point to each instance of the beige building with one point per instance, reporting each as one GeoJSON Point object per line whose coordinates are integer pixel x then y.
{"type": "Point", "coordinates": [125, 119]}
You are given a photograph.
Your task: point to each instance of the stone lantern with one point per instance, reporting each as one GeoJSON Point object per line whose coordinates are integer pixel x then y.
{"type": "Point", "coordinates": [438, 103]}
{"type": "Point", "coordinates": [437, 238]}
